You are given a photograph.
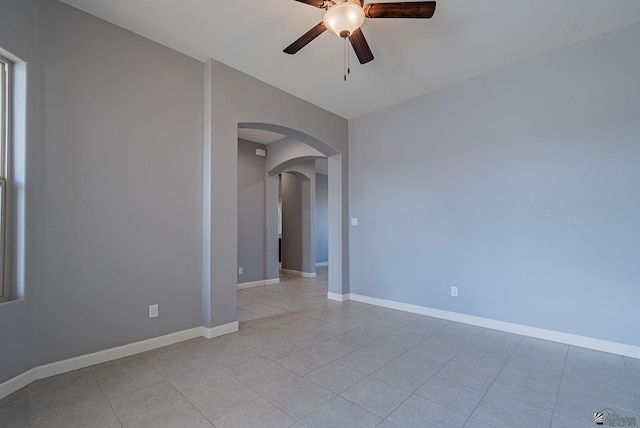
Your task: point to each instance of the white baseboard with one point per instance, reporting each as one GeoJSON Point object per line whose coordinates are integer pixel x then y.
{"type": "Point", "coordinates": [337, 297]}
{"type": "Point", "coordinates": [251, 284]}
{"type": "Point", "coordinates": [322, 264]}
{"type": "Point", "coordinates": [298, 273]}
{"type": "Point", "coordinates": [524, 330]}
{"type": "Point", "coordinates": [220, 330]}
{"type": "Point", "coordinates": [99, 357]}
{"type": "Point", "coordinates": [259, 283]}
{"type": "Point", "coordinates": [18, 382]}
{"type": "Point", "coordinates": [12, 385]}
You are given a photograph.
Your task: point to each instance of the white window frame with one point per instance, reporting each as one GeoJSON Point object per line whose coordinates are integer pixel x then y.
{"type": "Point", "coordinates": [5, 170]}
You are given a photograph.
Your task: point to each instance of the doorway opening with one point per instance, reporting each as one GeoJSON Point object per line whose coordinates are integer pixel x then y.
{"type": "Point", "coordinates": [275, 164]}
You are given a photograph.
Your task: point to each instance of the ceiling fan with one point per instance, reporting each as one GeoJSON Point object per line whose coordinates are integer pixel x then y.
{"type": "Point", "coordinates": [345, 17]}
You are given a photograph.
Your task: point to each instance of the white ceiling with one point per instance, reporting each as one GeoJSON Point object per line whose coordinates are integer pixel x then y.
{"type": "Point", "coordinates": [259, 136]}
{"type": "Point", "coordinates": [463, 40]}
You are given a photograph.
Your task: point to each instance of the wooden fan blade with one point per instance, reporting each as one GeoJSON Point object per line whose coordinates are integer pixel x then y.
{"type": "Point", "coordinates": [305, 39]}
{"type": "Point", "coordinates": [417, 9]}
{"type": "Point", "coordinates": [315, 3]}
{"type": "Point", "coordinates": [361, 47]}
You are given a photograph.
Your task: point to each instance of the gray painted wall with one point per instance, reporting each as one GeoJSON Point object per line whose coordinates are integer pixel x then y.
{"type": "Point", "coordinates": [121, 126]}
{"type": "Point", "coordinates": [251, 212]}
{"type": "Point", "coordinates": [520, 187]}
{"type": "Point", "coordinates": [232, 98]}
{"type": "Point", "coordinates": [115, 175]}
{"type": "Point", "coordinates": [18, 29]}
{"type": "Point", "coordinates": [322, 218]}
{"type": "Point", "coordinates": [306, 171]}
{"type": "Point", "coordinates": [298, 218]}
{"type": "Point", "coordinates": [291, 196]}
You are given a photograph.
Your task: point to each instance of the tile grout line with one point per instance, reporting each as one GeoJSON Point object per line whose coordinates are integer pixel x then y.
{"type": "Point", "coordinates": [436, 372]}
{"type": "Point", "coordinates": [336, 361]}
{"type": "Point", "coordinates": [494, 379]}
{"type": "Point", "coordinates": [185, 397]}
{"type": "Point", "coordinates": [263, 395]}
{"type": "Point", "coordinates": [564, 366]}
{"type": "Point", "coordinates": [105, 396]}
{"type": "Point", "coordinates": [635, 401]}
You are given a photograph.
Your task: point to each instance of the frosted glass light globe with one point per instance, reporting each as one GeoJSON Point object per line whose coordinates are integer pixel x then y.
{"type": "Point", "coordinates": [344, 18]}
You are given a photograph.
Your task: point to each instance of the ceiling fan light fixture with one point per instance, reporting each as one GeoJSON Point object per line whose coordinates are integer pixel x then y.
{"type": "Point", "coordinates": [344, 18]}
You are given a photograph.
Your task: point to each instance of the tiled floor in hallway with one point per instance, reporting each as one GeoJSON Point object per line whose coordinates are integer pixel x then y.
{"type": "Point", "coordinates": [300, 360]}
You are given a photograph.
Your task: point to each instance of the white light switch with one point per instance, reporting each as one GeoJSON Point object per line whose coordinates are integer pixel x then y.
{"type": "Point", "coordinates": [354, 221]}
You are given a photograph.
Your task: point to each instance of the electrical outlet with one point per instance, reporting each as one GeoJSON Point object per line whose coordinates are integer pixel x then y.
{"type": "Point", "coordinates": [153, 311]}
{"type": "Point", "coordinates": [239, 271]}
{"type": "Point", "coordinates": [454, 291]}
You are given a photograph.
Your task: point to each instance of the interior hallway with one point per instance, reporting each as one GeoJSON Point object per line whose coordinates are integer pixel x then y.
{"type": "Point", "coordinates": [301, 360]}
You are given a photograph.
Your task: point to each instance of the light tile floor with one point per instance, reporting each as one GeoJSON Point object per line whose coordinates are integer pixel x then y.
{"type": "Point", "coordinates": [300, 360]}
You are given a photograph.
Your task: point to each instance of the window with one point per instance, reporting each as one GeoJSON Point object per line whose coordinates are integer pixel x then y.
{"type": "Point", "coordinates": [5, 70]}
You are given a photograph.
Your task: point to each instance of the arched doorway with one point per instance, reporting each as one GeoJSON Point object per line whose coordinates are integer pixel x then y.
{"type": "Point", "coordinates": [284, 154]}
{"type": "Point", "coordinates": [233, 98]}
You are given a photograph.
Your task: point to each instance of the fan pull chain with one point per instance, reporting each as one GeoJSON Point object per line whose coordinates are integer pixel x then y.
{"type": "Point", "coordinates": [346, 54]}
{"type": "Point", "coordinates": [348, 61]}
